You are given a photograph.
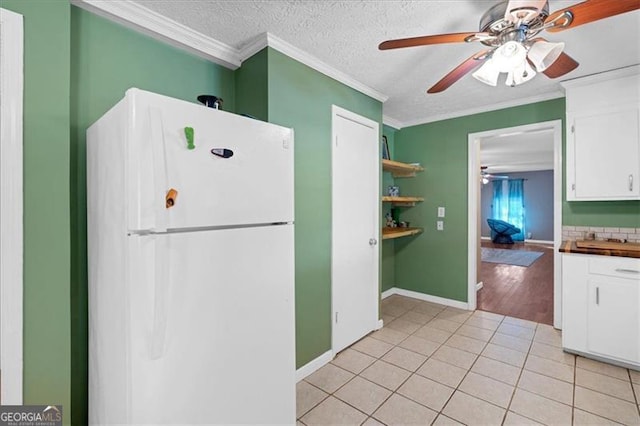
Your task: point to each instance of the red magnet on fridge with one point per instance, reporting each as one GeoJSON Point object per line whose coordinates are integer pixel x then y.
{"type": "Point", "coordinates": [170, 198]}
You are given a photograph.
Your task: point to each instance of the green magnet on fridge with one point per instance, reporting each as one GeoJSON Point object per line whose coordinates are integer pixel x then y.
{"type": "Point", "coordinates": [188, 132]}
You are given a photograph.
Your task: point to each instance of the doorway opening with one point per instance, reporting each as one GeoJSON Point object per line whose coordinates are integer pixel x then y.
{"type": "Point", "coordinates": [520, 186]}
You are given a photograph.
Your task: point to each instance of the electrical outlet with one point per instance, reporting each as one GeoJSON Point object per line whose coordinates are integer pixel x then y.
{"type": "Point", "coordinates": [440, 211]}
{"type": "Point", "coordinates": [440, 225]}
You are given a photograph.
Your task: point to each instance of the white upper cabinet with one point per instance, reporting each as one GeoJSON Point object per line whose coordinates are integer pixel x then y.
{"type": "Point", "coordinates": [603, 136]}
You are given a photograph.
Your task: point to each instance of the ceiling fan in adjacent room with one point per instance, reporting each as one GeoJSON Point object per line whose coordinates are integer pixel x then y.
{"type": "Point", "coordinates": [510, 29]}
{"type": "Point", "coordinates": [487, 177]}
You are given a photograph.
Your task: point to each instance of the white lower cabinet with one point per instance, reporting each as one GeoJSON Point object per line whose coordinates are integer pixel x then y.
{"type": "Point", "coordinates": [601, 307]}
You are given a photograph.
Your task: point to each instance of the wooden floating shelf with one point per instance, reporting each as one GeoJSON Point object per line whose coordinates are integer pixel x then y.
{"type": "Point", "coordinates": [402, 201]}
{"type": "Point", "coordinates": [398, 169]}
{"type": "Point", "coordinates": [389, 233]}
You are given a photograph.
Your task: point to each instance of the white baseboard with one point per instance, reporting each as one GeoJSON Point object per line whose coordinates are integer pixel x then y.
{"type": "Point", "coordinates": [526, 241]}
{"type": "Point", "coordinates": [426, 298]}
{"type": "Point", "coordinates": [539, 242]}
{"type": "Point", "coordinates": [479, 286]}
{"type": "Point", "coordinates": [314, 365]}
{"type": "Point", "coordinates": [380, 324]}
{"type": "Point", "coordinates": [387, 293]}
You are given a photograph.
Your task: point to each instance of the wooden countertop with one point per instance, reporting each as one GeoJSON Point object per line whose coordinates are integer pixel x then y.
{"type": "Point", "coordinates": [571, 247]}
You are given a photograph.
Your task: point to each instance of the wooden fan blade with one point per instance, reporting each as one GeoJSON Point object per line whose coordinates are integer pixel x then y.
{"type": "Point", "coordinates": [425, 40]}
{"type": "Point", "coordinates": [561, 66]}
{"type": "Point", "coordinates": [460, 71]}
{"type": "Point", "coordinates": [592, 10]}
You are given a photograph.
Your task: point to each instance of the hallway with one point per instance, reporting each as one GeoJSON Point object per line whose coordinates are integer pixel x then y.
{"type": "Point", "coordinates": [517, 291]}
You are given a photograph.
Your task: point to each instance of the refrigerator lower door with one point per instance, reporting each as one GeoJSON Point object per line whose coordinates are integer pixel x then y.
{"type": "Point", "coordinates": [212, 327]}
{"type": "Point", "coordinates": [191, 166]}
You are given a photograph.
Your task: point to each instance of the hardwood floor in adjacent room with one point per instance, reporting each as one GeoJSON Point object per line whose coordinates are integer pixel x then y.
{"type": "Point", "coordinates": [518, 291]}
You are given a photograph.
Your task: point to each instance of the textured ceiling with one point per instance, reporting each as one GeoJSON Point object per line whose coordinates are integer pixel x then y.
{"type": "Point", "coordinates": [345, 35]}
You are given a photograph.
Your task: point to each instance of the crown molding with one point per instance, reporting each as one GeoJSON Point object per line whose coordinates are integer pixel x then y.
{"type": "Point", "coordinates": [315, 63]}
{"type": "Point", "coordinates": [391, 122]}
{"type": "Point", "coordinates": [485, 108]}
{"type": "Point", "coordinates": [139, 18]}
{"type": "Point", "coordinates": [257, 44]}
{"type": "Point", "coordinates": [631, 70]}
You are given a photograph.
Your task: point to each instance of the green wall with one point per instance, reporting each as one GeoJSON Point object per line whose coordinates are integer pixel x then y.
{"type": "Point", "coordinates": [77, 65]}
{"type": "Point", "coordinates": [106, 60]}
{"type": "Point", "coordinates": [435, 262]}
{"type": "Point", "coordinates": [387, 276]}
{"type": "Point", "coordinates": [251, 83]}
{"type": "Point", "coordinates": [624, 214]}
{"type": "Point", "coordinates": [301, 97]}
{"type": "Point", "coordinates": [46, 202]}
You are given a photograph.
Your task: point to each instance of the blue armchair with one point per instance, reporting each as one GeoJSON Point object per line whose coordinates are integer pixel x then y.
{"type": "Point", "coordinates": [502, 231]}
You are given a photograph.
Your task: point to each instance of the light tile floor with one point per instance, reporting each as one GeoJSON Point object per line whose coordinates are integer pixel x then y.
{"type": "Point", "coordinates": [432, 364]}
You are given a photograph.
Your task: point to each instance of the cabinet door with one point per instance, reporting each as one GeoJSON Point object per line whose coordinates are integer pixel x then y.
{"type": "Point", "coordinates": [604, 153]}
{"type": "Point", "coordinates": [613, 318]}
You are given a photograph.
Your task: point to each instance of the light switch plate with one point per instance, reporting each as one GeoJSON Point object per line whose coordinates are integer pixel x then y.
{"type": "Point", "coordinates": [440, 225]}
{"type": "Point", "coordinates": [440, 211]}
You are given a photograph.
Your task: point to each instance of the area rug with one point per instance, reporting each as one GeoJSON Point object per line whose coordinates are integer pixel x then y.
{"type": "Point", "coordinates": [510, 257]}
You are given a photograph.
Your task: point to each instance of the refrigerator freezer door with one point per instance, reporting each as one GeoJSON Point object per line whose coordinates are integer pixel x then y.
{"type": "Point", "coordinates": [212, 329]}
{"type": "Point", "coordinates": [220, 169]}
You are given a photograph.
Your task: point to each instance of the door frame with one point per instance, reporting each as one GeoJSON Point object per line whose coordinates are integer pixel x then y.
{"type": "Point", "coordinates": [11, 207]}
{"type": "Point", "coordinates": [473, 209]}
{"type": "Point", "coordinates": [336, 112]}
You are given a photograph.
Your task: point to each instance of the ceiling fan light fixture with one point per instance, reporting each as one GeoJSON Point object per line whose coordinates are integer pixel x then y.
{"type": "Point", "coordinates": [520, 75]}
{"type": "Point", "coordinates": [487, 73]}
{"type": "Point", "coordinates": [542, 54]}
{"type": "Point", "coordinates": [509, 56]}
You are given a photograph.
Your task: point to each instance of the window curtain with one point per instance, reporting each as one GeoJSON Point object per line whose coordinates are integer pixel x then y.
{"type": "Point", "coordinates": [508, 204]}
{"type": "Point", "coordinates": [516, 207]}
{"type": "Point", "coordinates": [500, 201]}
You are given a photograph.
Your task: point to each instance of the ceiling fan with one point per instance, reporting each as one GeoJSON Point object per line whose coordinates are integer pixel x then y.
{"type": "Point", "coordinates": [486, 177]}
{"type": "Point", "coordinates": [510, 30]}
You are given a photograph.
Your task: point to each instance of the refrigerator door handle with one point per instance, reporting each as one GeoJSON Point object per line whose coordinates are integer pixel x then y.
{"type": "Point", "coordinates": [161, 297]}
{"type": "Point", "coordinates": [160, 185]}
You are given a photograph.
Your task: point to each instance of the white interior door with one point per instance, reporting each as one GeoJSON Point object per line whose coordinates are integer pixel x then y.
{"type": "Point", "coordinates": [355, 227]}
{"type": "Point", "coordinates": [11, 83]}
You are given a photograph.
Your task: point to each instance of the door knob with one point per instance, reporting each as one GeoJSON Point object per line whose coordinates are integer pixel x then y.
{"type": "Point", "coordinates": [373, 242]}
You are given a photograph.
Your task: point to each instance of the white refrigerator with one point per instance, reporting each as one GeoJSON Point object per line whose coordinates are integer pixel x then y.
{"type": "Point", "coordinates": [191, 266]}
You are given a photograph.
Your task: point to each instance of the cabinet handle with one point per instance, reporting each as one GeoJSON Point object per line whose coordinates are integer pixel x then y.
{"type": "Point", "coordinates": [628, 271]}
{"type": "Point", "coordinates": [597, 295]}
{"type": "Point", "coordinates": [630, 182]}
